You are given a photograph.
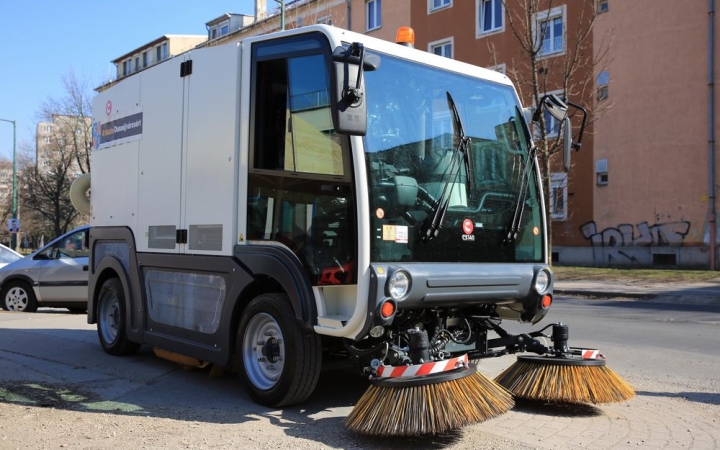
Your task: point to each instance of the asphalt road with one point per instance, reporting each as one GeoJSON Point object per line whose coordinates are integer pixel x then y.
{"type": "Point", "coordinates": [668, 353]}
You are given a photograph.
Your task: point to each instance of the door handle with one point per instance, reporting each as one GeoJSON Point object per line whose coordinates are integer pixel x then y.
{"type": "Point", "coordinates": [85, 268]}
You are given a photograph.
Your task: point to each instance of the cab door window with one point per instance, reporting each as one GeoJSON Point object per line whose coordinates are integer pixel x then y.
{"type": "Point", "coordinates": [300, 184]}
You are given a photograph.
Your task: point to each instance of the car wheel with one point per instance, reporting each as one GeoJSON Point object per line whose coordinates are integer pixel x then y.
{"type": "Point", "coordinates": [279, 359]}
{"type": "Point", "coordinates": [111, 319]}
{"type": "Point", "coordinates": [19, 296]}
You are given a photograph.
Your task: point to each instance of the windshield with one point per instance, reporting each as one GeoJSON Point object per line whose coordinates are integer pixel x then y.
{"type": "Point", "coordinates": [419, 155]}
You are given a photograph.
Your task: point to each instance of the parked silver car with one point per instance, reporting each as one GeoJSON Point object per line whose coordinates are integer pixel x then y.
{"type": "Point", "coordinates": [55, 275]}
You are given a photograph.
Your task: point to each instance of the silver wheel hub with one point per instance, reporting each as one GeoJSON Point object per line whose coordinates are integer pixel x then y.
{"type": "Point", "coordinates": [109, 317]}
{"type": "Point", "coordinates": [263, 351]}
{"type": "Point", "coordinates": [16, 299]}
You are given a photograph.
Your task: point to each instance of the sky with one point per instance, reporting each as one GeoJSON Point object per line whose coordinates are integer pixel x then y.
{"type": "Point", "coordinates": [41, 41]}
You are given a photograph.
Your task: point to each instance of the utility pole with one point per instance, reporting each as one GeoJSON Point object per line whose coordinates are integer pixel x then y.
{"type": "Point", "coordinates": [282, 13]}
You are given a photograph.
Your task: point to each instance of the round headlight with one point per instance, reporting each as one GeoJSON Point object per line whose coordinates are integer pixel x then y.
{"type": "Point", "coordinates": [542, 281]}
{"type": "Point", "coordinates": [399, 284]}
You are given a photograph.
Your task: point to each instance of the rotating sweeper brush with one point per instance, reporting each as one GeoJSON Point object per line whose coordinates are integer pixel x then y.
{"type": "Point", "coordinates": [421, 388]}
{"type": "Point", "coordinates": [426, 397]}
{"type": "Point", "coordinates": [564, 375]}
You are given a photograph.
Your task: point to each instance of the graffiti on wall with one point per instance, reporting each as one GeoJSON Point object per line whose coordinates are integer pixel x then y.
{"type": "Point", "coordinates": [642, 234]}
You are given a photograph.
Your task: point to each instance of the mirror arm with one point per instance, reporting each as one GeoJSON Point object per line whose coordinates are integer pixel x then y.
{"type": "Point", "coordinates": [576, 145]}
{"type": "Point", "coordinates": [355, 95]}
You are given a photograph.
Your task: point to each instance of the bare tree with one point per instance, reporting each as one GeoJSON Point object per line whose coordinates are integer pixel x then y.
{"type": "Point", "coordinates": [62, 154]}
{"type": "Point", "coordinates": [570, 72]}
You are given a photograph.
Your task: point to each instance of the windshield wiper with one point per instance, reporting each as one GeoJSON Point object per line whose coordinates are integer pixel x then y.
{"type": "Point", "coordinates": [513, 228]}
{"type": "Point", "coordinates": [432, 224]}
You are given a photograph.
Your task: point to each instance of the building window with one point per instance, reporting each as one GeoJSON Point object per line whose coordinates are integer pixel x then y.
{"type": "Point", "coordinates": [137, 63]}
{"type": "Point", "coordinates": [550, 31]}
{"type": "Point", "coordinates": [125, 68]}
{"type": "Point", "coordinates": [164, 50]}
{"type": "Point", "coordinates": [224, 30]}
{"type": "Point", "coordinates": [602, 81]}
{"type": "Point", "coordinates": [442, 48]}
{"type": "Point", "coordinates": [46, 128]}
{"type": "Point", "coordinates": [438, 4]}
{"type": "Point", "coordinates": [130, 66]}
{"type": "Point", "coordinates": [601, 171]}
{"type": "Point", "coordinates": [558, 196]}
{"type": "Point", "coordinates": [145, 61]}
{"type": "Point", "coordinates": [373, 13]}
{"type": "Point", "coordinates": [603, 6]}
{"type": "Point", "coordinates": [158, 54]}
{"type": "Point", "coordinates": [213, 33]}
{"type": "Point", "coordinates": [46, 140]}
{"type": "Point", "coordinates": [490, 16]}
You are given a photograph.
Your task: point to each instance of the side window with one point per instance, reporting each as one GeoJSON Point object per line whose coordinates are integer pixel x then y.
{"type": "Point", "coordinates": [294, 132]}
{"type": "Point", "coordinates": [315, 146]}
{"type": "Point", "coordinates": [73, 246]}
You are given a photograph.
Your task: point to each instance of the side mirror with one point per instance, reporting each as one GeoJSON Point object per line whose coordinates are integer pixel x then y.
{"type": "Point", "coordinates": [349, 106]}
{"type": "Point", "coordinates": [558, 109]}
{"type": "Point", "coordinates": [554, 106]}
{"type": "Point", "coordinates": [567, 142]}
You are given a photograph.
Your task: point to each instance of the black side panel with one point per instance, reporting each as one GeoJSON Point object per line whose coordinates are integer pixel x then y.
{"type": "Point", "coordinates": [281, 264]}
{"type": "Point", "coordinates": [215, 345]}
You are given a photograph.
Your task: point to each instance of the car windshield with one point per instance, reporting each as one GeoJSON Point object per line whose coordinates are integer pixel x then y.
{"type": "Point", "coordinates": [7, 256]}
{"type": "Point", "coordinates": [418, 163]}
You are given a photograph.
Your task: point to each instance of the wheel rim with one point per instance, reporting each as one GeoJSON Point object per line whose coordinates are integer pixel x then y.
{"type": "Point", "coordinates": [17, 299]}
{"type": "Point", "coordinates": [109, 316]}
{"type": "Point", "coordinates": [263, 351]}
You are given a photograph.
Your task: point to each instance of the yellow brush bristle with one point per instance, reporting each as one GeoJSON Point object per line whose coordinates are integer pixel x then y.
{"type": "Point", "coordinates": [564, 383]}
{"type": "Point", "coordinates": [429, 409]}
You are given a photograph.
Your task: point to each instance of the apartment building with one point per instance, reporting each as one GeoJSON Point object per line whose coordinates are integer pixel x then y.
{"type": "Point", "coordinates": [59, 140]}
{"type": "Point", "coordinates": [641, 191]}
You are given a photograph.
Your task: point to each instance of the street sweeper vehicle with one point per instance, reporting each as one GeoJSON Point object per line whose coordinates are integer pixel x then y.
{"type": "Point", "coordinates": [314, 194]}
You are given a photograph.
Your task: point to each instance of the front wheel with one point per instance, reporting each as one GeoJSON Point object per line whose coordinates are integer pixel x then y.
{"type": "Point", "coordinates": [18, 296]}
{"type": "Point", "coordinates": [111, 324]}
{"type": "Point", "coordinates": [280, 360]}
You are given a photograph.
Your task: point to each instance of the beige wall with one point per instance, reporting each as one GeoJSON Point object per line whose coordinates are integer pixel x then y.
{"type": "Point", "coordinates": [655, 131]}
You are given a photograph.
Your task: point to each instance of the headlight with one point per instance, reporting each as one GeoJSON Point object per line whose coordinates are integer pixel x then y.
{"type": "Point", "coordinates": [542, 282]}
{"type": "Point", "coordinates": [398, 284]}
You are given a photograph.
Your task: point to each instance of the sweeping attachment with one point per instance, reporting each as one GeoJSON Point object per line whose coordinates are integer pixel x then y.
{"type": "Point", "coordinates": [418, 399]}
{"type": "Point", "coordinates": [564, 379]}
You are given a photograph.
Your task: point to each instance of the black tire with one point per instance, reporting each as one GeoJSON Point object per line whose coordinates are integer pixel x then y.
{"type": "Point", "coordinates": [292, 377]}
{"type": "Point", "coordinates": [111, 324]}
{"type": "Point", "coordinates": [18, 296]}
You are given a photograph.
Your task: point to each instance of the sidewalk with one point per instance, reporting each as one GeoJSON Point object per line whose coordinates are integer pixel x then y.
{"type": "Point", "coordinates": [698, 293]}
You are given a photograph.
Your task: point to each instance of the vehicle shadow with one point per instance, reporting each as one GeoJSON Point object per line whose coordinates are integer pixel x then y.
{"type": "Point", "coordinates": [710, 398]}
{"type": "Point", "coordinates": [556, 409]}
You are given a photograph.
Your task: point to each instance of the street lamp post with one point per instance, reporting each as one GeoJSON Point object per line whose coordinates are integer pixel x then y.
{"type": "Point", "coordinates": [13, 238]}
{"type": "Point", "coordinates": [282, 13]}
